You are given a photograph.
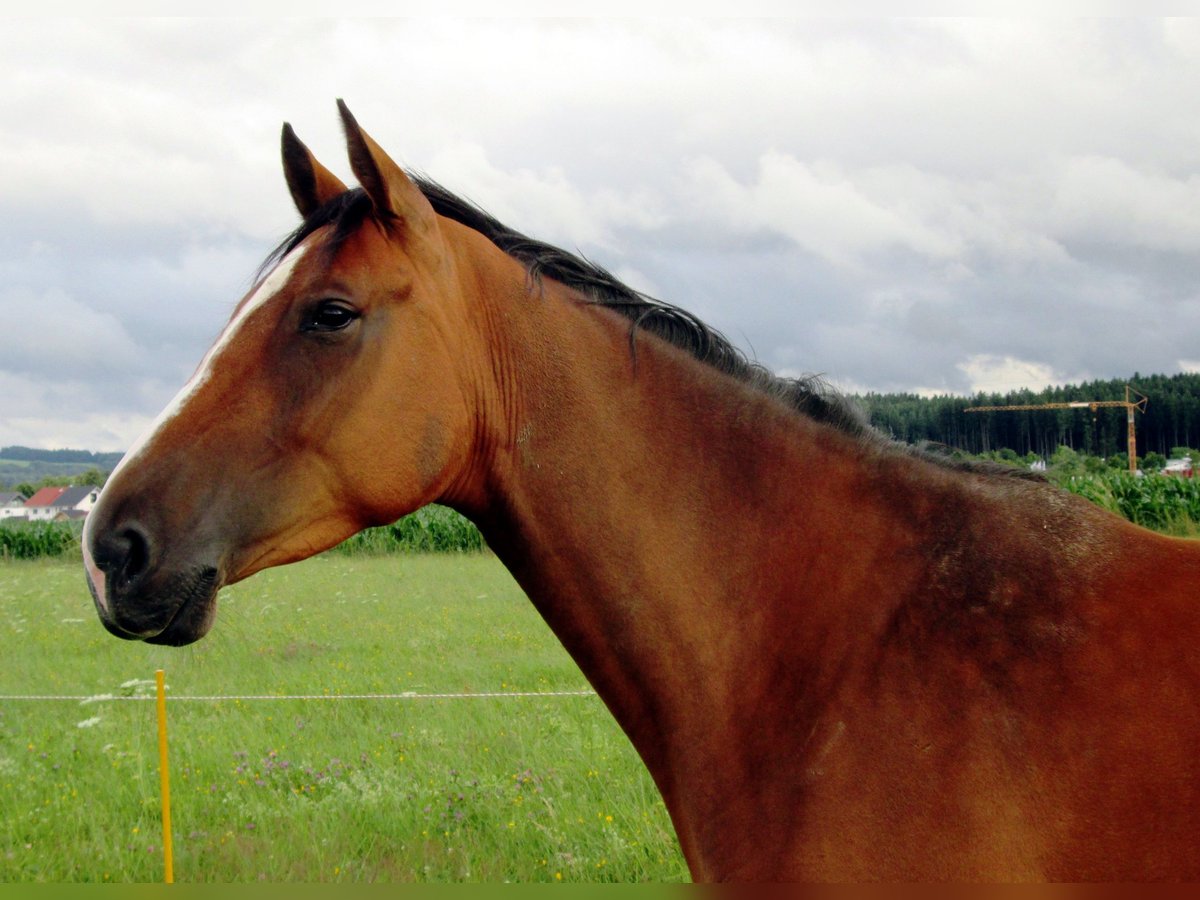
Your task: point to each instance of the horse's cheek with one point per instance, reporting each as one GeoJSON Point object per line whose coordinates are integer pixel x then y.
{"type": "Point", "coordinates": [432, 451]}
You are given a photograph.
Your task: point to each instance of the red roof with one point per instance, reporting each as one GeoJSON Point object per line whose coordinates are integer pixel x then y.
{"type": "Point", "coordinates": [45, 497]}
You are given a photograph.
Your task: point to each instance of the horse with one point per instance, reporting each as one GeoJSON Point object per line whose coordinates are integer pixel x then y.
{"type": "Point", "coordinates": [839, 657]}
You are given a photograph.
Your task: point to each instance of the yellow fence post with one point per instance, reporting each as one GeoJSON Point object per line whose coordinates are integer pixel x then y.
{"type": "Point", "coordinates": [164, 778]}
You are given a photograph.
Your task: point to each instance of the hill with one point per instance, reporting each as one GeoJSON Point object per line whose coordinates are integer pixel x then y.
{"type": "Point", "coordinates": [30, 465]}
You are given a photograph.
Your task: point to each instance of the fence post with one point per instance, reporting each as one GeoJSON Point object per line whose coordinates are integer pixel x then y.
{"type": "Point", "coordinates": [164, 779]}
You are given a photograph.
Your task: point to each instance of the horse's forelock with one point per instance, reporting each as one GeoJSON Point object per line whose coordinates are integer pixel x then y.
{"type": "Point", "coordinates": [345, 213]}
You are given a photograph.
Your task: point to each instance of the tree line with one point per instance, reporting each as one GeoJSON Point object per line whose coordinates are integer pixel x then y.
{"type": "Point", "coordinates": [26, 469]}
{"type": "Point", "coordinates": [1171, 419]}
{"type": "Point", "coordinates": [1171, 422]}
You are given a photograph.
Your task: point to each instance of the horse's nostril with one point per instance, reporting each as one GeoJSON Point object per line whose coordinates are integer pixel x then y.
{"type": "Point", "coordinates": [135, 558]}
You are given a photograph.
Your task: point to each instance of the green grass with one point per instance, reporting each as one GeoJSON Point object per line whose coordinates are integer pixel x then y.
{"type": "Point", "coordinates": [521, 789]}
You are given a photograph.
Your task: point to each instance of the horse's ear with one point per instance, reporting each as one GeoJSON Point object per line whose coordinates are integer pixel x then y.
{"type": "Point", "coordinates": [310, 182]}
{"type": "Point", "coordinates": [391, 191]}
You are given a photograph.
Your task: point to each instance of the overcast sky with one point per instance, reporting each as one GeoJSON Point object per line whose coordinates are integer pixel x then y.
{"type": "Point", "coordinates": [917, 205]}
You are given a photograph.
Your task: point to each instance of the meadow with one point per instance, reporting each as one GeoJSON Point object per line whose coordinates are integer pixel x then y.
{"type": "Point", "coordinates": [405, 789]}
{"type": "Point", "coordinates": [333, 788]}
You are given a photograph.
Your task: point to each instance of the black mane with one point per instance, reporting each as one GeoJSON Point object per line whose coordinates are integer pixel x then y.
{"type": "Point", "coordinates": [809, 395]}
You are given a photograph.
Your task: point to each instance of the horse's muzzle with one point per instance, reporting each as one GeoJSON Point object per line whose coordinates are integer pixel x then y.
{"type": "Point", "coordinates": [139, 598]}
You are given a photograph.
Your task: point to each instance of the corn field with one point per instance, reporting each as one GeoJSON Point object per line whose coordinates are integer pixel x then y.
{"type": "Point", "coordinates": [431, 529]}
{"type": "Point", "coordinates": [1164, 503]}
{"type": "Point", "coordinates": [33, 540]}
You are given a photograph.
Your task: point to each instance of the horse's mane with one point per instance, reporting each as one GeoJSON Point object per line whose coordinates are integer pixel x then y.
{"type": "Point", "coordinates": [808, 395]}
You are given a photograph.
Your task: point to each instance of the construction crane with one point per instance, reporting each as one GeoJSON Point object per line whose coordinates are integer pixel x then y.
{"type": "Point", "coordinates": [1131, 405]}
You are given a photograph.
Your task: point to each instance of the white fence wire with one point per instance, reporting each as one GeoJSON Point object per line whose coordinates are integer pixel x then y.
{"type": "Point", "coordinates": [404, 695]}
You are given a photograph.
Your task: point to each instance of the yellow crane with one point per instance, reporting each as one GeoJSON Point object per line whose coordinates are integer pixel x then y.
{"type": "Point", "coordinates": [1129, 403]}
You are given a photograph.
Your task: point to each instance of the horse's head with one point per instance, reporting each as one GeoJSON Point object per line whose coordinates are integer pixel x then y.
{"type": "Point", "coordinates": [273, 450]}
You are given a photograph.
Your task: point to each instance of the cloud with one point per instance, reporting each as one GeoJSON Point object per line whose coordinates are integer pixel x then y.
{"type": "Point", "coordinates": [62, 336]}
{"type": "Point", "coordinates": [1100, 200]}
{"type": "Point", "coordinates": [901, 204]}
{"type": "Point", "coordinates": [820, 207]}
{"type": "Point", "coordinates": [543, 203]}
{"type": "Point", "coordinates": [39, 412]}
{"type": "Point", "coordinates": [992, 374]}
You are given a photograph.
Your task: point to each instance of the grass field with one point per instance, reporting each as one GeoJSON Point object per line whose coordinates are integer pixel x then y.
{"type": "Point", "coordinates": [520, 789]}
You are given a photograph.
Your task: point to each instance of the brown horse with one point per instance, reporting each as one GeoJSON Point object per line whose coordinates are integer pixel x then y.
{"type": "Point", "coordinates": [839, 658]}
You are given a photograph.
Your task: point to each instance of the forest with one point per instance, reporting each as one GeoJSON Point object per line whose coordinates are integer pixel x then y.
{"type": "Point", "coordinates": [1171, 419]}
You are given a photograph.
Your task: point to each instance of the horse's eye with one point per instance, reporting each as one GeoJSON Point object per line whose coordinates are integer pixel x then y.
{"type": "Point", "coordinates": [328, 316]}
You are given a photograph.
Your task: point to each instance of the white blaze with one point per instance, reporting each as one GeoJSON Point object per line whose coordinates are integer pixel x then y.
{"type": "Point", "coordinates": [267, 290]}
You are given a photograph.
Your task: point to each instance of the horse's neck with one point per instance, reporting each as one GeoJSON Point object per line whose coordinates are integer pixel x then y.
{"type": "Point", "coordinates": [654, 511]}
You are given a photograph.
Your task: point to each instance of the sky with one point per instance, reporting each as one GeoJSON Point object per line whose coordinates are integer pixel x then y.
{"type": "Point", "coordinates": [934, 206]}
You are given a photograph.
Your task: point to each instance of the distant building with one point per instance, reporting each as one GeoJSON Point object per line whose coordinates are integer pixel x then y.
{"type": "Point", "coordinates": [1181, 468]}
{"type": "Point", "coordinates": [52, 503]}
{"type": "Point", "coordinates": [40, 507]}
{"type": "Point", "coordinates": [77, 501]}
{"type": "Point", "coordinates": [12, 505]}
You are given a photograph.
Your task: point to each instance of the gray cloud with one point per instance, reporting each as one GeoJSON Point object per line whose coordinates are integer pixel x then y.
{"type": "Point", "coordinates": [902, 205]}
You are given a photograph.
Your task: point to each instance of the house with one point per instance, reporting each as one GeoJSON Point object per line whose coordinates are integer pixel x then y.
{"type": "Point", "coordinates": [39, 507]}
{"type": "Point", "coordinates": [1181, 468]}
{"type": "Point", "coordinates": [12, 505]}
{"type": "Point", "coordinates": [76, 502]}
{"type": "Point", "coordinates": [51, 503]}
